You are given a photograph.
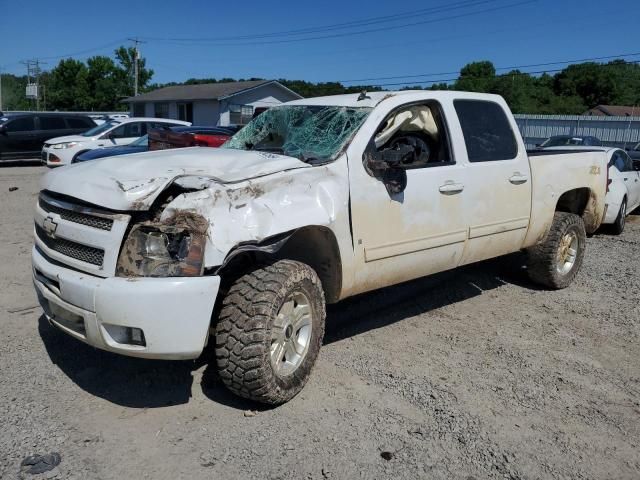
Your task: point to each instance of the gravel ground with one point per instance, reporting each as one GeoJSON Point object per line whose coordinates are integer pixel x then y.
{"type": "Point", "coordinates": [473, 374]}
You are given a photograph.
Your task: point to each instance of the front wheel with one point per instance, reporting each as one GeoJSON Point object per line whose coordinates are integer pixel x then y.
{"type": "Point", "coordinates": [555, 262]}
{"type": "Point", "coordinates": [270, 330]}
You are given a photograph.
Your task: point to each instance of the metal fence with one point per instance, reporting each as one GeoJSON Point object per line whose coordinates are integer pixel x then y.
{"type": "Point", "coordinates": [613, 131]}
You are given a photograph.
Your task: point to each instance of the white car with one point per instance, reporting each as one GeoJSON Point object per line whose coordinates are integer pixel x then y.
{"type": "Point", "coordinates": [116, 131]}
{"type": "Point", "coordinates": [623, 185]}
{"type": "Point", "coordinates": [623, 191]}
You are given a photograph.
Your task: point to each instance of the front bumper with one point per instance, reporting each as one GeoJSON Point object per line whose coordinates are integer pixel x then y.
{"type": "Point", "coordinates": [174, 313]}
{"type": "Point", "coordinates": [56, 157]}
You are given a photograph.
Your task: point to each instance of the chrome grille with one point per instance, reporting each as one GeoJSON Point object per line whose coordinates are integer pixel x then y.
{"type": "Point", "coordinates": [84, 253]}
{"type": "Point", "coordinates": [77, 217]}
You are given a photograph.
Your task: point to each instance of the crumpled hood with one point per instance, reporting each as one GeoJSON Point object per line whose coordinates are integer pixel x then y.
{"type": "Point", "coordinates": [69, 138]}
{"type": "Point", "coordinates": [134, 182]}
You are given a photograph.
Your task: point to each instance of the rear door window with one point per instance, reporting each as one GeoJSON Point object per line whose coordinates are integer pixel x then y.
{"type": "Point", "coordinates": [79, 123]}
{"type": "Point", "coordinates": [128, 130]}
{"type": "Point", "coordinates": [52, 123]}
{"type": "Point", "coordinates": [487, 132]}
{"type": "Point", "coordinates": [22, 124]}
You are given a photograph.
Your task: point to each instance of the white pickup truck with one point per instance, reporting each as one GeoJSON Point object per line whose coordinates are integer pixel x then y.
{"type": "Point", "coordinates": [312, 202]}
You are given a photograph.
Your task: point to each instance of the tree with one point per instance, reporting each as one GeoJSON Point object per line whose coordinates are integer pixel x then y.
{"type": "Point", "coordinates": [476, 77]}
{"type": "Point", "coordinates": [68, 86]}
{"type": "Point", "coordinates": [106, 82]}
{"type": "Point", "coordinates": [126, 57]}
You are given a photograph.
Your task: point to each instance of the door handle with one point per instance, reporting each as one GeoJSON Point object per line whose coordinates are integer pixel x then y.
{"type": "Point", "coordinates": [626, 178]}
{"type": "Point", "coordinates": [518, 179]}
{"type": "Point", "coordinates": [451, 188]}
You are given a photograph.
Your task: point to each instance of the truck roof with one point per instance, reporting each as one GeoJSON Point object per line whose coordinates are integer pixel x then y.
{"type": "Point", "coordinates": [374, 98]}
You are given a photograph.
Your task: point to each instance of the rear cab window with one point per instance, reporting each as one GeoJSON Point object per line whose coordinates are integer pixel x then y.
{"type": "Point", "coordinates": [487, 132]}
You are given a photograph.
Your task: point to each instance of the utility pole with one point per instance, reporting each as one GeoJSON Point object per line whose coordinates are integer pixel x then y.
{"type": "Point", "coordinates": [0, 90]}
{"type": "Point", "coordinates": [33, 89]}
{"type": "Point", "coordinates": [136, 56]}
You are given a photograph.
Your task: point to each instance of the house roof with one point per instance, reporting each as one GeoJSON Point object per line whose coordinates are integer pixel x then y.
{"type": "Point", "coordinates": [614, 110]}
{"type": "Point", "coordinates": [203, 91]}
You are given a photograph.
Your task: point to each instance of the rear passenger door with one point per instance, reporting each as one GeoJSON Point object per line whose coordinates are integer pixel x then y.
{"type": "Point", "coordinates": [50, 126]}
{"type": "Point", "coordinates": [128, 132]}
{"type": "Point", "coordinates": [498, 193]}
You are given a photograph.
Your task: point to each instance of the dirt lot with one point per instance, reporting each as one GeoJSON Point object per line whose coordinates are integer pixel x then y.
{"type": "Point", "coordinates": [472, 374]}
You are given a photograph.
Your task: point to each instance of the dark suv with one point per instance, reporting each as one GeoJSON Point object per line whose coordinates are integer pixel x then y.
{"type": "Point", "coordinates": [22, 134]}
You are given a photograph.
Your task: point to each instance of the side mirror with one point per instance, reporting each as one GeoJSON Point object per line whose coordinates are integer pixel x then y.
{"type": "Point", "coordinates": [636, 165]}
{"type": "Point", "coordinates": [3, 128]}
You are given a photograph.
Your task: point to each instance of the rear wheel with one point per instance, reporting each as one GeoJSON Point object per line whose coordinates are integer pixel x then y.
{"type": "Point", "coordinates": [621, 219]}
{"type": "Point", "coordinates": [270, 331]}
{"type": "Point", "coordinates": [555, 262]}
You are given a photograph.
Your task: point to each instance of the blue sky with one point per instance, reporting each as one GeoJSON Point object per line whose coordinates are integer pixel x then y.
{"type": "Point", "coordinates": [507, 32]}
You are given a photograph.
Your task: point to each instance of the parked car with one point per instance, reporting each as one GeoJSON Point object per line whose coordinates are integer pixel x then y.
{"type": "Point", "coordinates": [116, 131]}
{"type": "Point", "coordinates": [571, 140]}
{"type": "Point", "coordinates": [23, 134]}
{"type": "Point", "coordinates": [623, 184]}
{"type": "Point", "coordinates": [634, 152]}
{"type": "Point", "coordinates": [623, 190]}
{"type": "Point", "coordinates": [177, 137]}
{"type": "Point", "coordinates": [137, 146]}
{"type": "Point", "coordinates": [314, 201]}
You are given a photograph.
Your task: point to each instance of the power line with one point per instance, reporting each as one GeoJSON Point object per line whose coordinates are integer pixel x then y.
{"type": "Point", "coordinates": [335, 26]}
{"type": "Point", "coordinates": [345, 34]}
{"type": "Point", "coordinates": [447, 80]}
{"type": "Point", "coordinates": [593, 59]}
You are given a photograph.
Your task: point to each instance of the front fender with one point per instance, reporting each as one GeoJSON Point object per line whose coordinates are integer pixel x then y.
{"type": "Point", "coordinates": [253, 210]}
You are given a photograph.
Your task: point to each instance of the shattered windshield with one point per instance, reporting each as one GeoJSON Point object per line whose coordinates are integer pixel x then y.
{"type": "Point", "coordinates": [311, 133]}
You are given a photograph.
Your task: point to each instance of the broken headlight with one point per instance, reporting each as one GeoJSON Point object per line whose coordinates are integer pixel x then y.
{"type": "Point", "coordinates": [161, 251]}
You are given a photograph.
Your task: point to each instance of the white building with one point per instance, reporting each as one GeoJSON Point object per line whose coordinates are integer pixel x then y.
{"type": "Point", "coordinates": [211, 104]}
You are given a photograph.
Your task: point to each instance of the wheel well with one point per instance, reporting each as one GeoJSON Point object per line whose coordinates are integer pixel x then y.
{"type": "Point", "coordinates": [574, 201]}
{"type": "Point", "coordinates": [314, 245]}
{"type": "Point", "coordinates": [582, 202]}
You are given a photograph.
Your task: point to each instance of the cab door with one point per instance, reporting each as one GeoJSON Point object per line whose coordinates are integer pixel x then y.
{"type": "Point", "coordinates": [418, 230]}
{"type": "Point", "coordinates": [499, 190]}
{"type": "Point", "coordinates": [19, 137]}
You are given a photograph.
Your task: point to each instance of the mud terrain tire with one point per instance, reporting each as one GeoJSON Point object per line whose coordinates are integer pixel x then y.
{"type": "Point", "coordinates": [556, 261]}
{"type": "Point", "coordinates": [261, 350]}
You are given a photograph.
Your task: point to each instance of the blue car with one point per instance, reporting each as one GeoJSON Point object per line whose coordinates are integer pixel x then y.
{"type": "Point", "coordinates": [137, 146]}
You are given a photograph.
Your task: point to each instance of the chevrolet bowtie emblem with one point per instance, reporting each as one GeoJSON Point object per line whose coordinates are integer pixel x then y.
{"type": "Point", "coordinates": [50, 226]}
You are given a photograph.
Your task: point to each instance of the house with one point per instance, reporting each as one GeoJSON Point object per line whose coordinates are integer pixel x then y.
{"type": "Point", "coordinates": [211, 104]}
{"type": "Point", "coordinates": [613, 111]}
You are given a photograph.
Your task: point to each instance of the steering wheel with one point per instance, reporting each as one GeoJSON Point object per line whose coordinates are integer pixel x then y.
{"type": "Point", "coordinates": [421, 149]}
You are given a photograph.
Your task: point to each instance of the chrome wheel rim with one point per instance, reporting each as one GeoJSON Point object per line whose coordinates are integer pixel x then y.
{"type": "Point", "coordinates": [567, 253]}
{"type": "Point", "coordinates": [291, 334]}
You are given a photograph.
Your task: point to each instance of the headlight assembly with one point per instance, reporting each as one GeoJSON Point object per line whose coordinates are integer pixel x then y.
{"type": "Point", "coordinates": [59, 146]}
{"type": "Point", "coordinates": [161, 251]}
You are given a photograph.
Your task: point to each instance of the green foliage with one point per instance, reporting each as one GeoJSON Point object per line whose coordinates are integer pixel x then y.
{"type": "Point", "coordinates": [571, 91]}
{"type": "Point", "coordinates": [99, 84]}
